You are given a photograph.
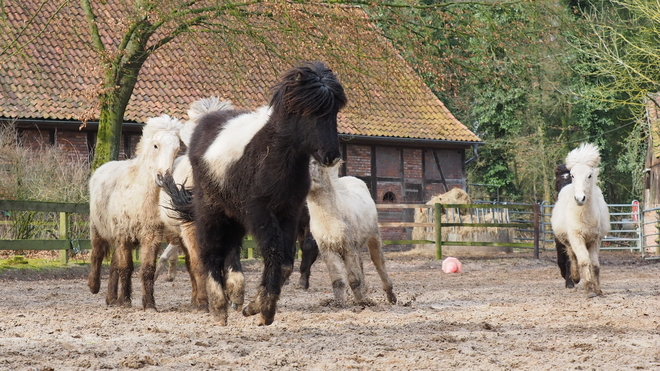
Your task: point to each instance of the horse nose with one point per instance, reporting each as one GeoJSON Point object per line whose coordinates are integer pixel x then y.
{"type": "Point", "coordinates": [329, 158]}
{"type": "Point", "coordinates": [580, 199]}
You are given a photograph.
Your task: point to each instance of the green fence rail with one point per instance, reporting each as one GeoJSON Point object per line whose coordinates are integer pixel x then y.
{"type": "Point", "coordinates": [438, 225]}
{"type": "Point", "coordinates": [66, 244]}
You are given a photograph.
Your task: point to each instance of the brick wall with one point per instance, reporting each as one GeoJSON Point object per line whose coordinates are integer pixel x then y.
{"type": "Point", "coordinates": [75, 143]}
{"type": "Point", "coordinates": [412, 164]}
{"type": "Point", "coordinates": [358, 160]}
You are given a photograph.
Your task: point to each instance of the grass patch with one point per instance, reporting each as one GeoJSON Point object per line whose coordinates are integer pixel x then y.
{"type": "Point", "coordinates": [19, 262]}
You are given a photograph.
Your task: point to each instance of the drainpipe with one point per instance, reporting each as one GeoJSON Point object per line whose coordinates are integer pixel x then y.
{"type": "Point", "coordinates": [475, 154]}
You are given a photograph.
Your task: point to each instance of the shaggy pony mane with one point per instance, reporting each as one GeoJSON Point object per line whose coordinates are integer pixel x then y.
{"type": "Point", "coordinates": [586, 153]}
{"type": "Point", "coordinates": [311, 89]}
{"type": "Point", "coordinates": [156, 125]}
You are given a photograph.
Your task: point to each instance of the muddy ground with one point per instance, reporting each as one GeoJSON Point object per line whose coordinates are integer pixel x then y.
{"type": "Point", "coordinates": [507, 312]}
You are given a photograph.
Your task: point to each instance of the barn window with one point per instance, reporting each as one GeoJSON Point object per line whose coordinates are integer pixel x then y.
{"type": "Point", "coordinates": [389, 197]}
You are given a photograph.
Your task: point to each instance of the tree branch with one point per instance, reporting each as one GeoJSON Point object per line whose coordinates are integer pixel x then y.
{"type": "Point", "coordinates": [97, 43]}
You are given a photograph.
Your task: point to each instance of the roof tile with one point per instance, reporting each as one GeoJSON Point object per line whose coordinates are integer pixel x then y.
{"type": "Point", "coordinates": [53, 77]}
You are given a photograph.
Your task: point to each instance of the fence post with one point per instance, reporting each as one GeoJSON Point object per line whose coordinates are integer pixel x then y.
{"type": "Point", "coordinates": [438, 231]}
{"type": "Point", "coordinates": [537, 229]}
{"type": "Point", "coordinates": [641, 229]}
{"type": "Point", "coordinates": [64, 235]}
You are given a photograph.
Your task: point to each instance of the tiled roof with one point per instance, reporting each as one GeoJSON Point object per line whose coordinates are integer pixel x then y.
{"type": "Point", "coordinates": [56, 74]}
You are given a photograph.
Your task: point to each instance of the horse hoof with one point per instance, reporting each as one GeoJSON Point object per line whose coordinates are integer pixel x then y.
{"type": "Point", "coordinates": [391, 297]}
{"type": "Point", "coordinates": [237, 307]}
{"type": "Point", "coordinates": [247, 312]}
{"type": "Point", "coordinates": [592, 295]}
{"type": "Point", "coordinates": [265, 321]}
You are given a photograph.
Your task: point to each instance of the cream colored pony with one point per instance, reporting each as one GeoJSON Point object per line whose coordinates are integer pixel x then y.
{"type": "Point", "coordinates": [580, 218]}
{"type": "Point", "coordinates": [124, 212]}
{"type": "Point", "coordinates": [343, 219]}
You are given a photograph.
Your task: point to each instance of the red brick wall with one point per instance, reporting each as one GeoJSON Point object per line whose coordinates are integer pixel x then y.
{"type": "Point", "coordinates": [358, 160]}
{"type": "Point", "coordinates": [72, 142]}
{"type": "Point", "coordinates": [412, 164]}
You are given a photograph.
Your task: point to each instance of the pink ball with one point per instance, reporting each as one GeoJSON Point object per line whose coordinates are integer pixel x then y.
{"type": "Point", "coordinates": [451, 265]}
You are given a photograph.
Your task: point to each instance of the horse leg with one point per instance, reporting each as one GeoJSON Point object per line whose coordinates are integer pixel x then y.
{"type": "Point", "coordinates": [150, 246]}
{"type": "Point", "coordinates": [355, 274]}
{"type": "Point", "coordinates": [124, 271]}
{"type": "Point", "coordinates": [170, 256]}
{"type": "Point", "coordinates": [374, 244]}
{"type": "Point", "coordinates": [113, 280]}
{"type": "Point", "coordinates": [216, 240]}
{"type": "Point", "coordinates": [337, 272]}
{"type": "Point", "coordinates": [564, 263]}
{"type": "Point", "coordinates": [100, 248]}
{"type": "Point", "coordinates": [573, 271]}
{"type": "Point", "coordinates": [196, 269]}
{"type": "Point", "coordinates": [561, 257]}
{"type": "Point", "coordinates": [234, 278]}
{"type": "Point", "coordinates": [173, 260]}
{"type": "Point", "coordinates": [595, 263]}
{"type": "Point", "coordinates": [310, 252]}
{"type": "Point", "coordinates": [584, 265]}
{"type": "Point", "coordinates": [276, 243]}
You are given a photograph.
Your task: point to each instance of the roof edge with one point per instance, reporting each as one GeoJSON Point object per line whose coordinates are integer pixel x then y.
{"type": "Point", "coordinates": [407, 142]}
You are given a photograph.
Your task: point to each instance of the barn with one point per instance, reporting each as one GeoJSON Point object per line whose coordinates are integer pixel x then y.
{"type": "Point", "coordinates": [396, 134]}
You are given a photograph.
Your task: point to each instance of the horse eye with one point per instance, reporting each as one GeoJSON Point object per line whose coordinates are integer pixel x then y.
{"type": "Point", "coordinates": [589, 176]}
{"type": "Point", "coordinates": [156, 146]}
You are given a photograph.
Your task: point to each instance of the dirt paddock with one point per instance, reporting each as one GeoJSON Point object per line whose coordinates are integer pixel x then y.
{"type": "Point", "coordinates": [509, 312]}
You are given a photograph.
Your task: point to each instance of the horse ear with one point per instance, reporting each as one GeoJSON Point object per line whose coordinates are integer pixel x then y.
{"type": "Point", "coordinates": [298, 76]}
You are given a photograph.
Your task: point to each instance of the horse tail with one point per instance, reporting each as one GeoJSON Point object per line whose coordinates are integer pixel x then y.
{"type": "Point", "coordinates": [199, 108]}
{"type": "Point", "coordinates": [180, 199]}
{"type": "Point", "coordinates": [311, 89]}
{"type": "Point", "coordinates": [206, 105]}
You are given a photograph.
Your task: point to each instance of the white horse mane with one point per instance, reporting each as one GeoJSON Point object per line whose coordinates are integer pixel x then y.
{"type": "Point", "coordinates": [586, 153]}
{"type": "Point", "coordinates": [155, 125]}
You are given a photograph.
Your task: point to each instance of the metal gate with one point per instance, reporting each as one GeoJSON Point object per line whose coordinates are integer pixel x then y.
{"type": "Point", "coordinates": [625, 222]}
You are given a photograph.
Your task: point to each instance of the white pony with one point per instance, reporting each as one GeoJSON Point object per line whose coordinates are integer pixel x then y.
{"type": "Point", "coordinates": [580, 218]}
{"type": "Point", "coordinates": [343, 218]}
{"type": "Point", "coordinates": [177, 233]}
{"type": "Point", "coordinates": [124, 211]}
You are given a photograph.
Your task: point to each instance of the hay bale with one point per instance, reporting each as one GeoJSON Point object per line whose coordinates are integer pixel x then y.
{"type": "Point", "coordinates": [458, 215]}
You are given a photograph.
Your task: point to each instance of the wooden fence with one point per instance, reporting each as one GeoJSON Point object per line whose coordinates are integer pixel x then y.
{"type": "Point", "coordinates": [64, 243]}
{"type": "Point", "coordinates": [532, 224]}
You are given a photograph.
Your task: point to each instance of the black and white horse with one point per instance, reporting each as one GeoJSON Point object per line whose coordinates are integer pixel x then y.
{"type": "Point", "coordinates": [251, 172]}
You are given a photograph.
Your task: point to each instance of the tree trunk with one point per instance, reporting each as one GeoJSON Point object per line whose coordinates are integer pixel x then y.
{"type": "Point", "coordinates": [111, 119]}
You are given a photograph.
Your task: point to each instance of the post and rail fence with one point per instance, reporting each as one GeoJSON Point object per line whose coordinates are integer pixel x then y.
{"type": "Point", "coordinates": [527, 225]}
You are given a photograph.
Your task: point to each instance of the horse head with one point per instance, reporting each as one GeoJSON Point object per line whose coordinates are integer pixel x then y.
{"type": "Point", "coordinates": [310, 96]}
{"type": "Point", "coordinates": [583, 162]}
{"type": "Point", "coordinates": [159, 146]}
{"type": "Point", "coordinates": [583, 179]}
{"type": "Point", "coordinates": [323, 175]}
{"type": "Point", "coordinates": [562, 177]}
